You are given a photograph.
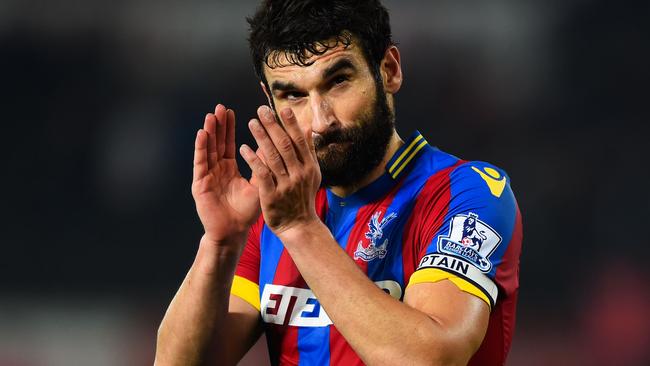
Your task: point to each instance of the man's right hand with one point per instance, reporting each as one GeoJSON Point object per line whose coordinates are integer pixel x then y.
{"type": "Point", "coordinates": [227, 203]}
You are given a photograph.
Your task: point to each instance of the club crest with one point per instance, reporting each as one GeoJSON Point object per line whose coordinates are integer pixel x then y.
{"type": "Point", "coordinates": [470, 239]}
{"type": "Point", "coordinates": [376, 248]}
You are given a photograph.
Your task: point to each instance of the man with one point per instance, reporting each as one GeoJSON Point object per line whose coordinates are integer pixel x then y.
{"type": "Point", "coordinates": [370, 249]}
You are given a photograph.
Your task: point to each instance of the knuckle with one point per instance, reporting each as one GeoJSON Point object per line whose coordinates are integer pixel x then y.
{"type": "Point", "coordinates": [274, 156]}
{"type": "Point", "coordinates": [300, 140]}
{"type": "Point", "coordinates": [297, 177]}
{"type": "Point", "coordinates": [264, 173]}
{"type": "Point", "coordinates": [285, 144]}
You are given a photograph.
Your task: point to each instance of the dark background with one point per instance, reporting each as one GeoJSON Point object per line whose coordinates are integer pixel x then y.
{"type": "Point", "coordinates": [100, 102]}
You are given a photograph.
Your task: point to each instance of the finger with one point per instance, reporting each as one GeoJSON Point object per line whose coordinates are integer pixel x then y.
{"type": "Point", "coordinates": [259, 154]}
{"type": "Point", "coordinates": [222, 115]}
{"type": "Point", "coordinates": [272, 157]}
{"type": "Point", "coordinates": [297, 136]}
{"type": "Point", "coordinates": [261, 173]}
{"type": "Point", "coordinates": [210, 128]}
{"type": "Point", "coordinates": [200, 155]}
{"type": "Point", "coordinates": [280, 138]}
{"type": "Point", "coordinates": [230, 135]}
{"type": "Point", "coordinates": [254, 179]}
{"type": "Point", "coordinates": [309, 137]}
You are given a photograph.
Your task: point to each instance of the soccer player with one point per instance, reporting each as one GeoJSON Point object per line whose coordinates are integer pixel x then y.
{"type": "Point", "coordinates": [349, 245]}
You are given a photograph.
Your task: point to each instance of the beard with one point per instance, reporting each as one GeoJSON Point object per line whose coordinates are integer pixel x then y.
{"type": "Point", "coordinates": [348, 155]}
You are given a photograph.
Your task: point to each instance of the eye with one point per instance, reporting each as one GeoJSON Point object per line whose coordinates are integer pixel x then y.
{"type": "Point", "coordinates": [291, 95]}
{"type": "Point", "coordinates": [340, 79]}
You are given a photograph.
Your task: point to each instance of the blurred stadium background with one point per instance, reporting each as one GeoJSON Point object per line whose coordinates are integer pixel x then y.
{"type": "Point", "coordinates": [100, 101]}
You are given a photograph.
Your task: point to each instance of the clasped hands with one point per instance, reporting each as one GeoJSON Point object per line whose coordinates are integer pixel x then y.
{"type": "Point", "coordinates": [285, 178]}
{"type": "Point", "coordinates": [285, 168]}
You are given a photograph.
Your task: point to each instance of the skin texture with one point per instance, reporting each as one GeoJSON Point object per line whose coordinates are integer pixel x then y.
{"type": "Point", "coordinates": [437, 324]}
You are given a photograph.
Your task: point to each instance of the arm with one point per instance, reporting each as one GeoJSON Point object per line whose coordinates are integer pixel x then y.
{"type": "Point", "coordinates": [438, 323]}
{"type": "Point", "coordinates": [203, 320]}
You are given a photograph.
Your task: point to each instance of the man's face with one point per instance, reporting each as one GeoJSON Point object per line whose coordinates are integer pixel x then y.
{"type": "Point", "coordinates": [338, 98]}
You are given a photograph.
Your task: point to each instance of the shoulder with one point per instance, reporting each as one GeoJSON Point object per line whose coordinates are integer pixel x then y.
{"type": "Point", "coordinates": [481, 178]}
{"type": "Point", "coordinates": [437, 171]}
{"type": "Point", "coordinates": [464, 187]}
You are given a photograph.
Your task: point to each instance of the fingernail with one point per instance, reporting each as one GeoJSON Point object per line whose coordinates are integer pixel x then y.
{"type": "Point", "coordinates": [253, 124]}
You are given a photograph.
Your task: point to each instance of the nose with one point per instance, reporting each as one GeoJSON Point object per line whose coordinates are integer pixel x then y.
{"type": "Point", "coordinates": [323, 117]}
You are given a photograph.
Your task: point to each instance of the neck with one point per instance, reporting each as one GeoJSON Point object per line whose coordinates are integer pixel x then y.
{"type": "Point", "coordinates": [393, 145]}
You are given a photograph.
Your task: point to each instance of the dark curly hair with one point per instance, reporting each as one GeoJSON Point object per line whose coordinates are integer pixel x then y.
{"type": "Point", "coordinates": [285, 32]}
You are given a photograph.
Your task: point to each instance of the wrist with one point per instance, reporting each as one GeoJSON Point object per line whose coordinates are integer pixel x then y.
{"type": "Point", "coordinates": [219, 256]}
{"type": "Point", "coordinates": [223, 244]}
{"type": "Point", "coordinates": [301, 232]}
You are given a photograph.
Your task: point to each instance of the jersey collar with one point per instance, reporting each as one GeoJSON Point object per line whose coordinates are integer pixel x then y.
{"type": "Point", "coordinates": [399, 165]}
{"type": "Point", "coordinates": [402, 160]}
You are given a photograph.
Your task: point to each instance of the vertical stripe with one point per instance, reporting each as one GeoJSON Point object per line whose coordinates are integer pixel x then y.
{"type": "Point", "coordinates": [287, 274]}
{"type": "Point", "coordinates": [284, 338]}
{"type": "Point", "coordinates": [278, 268]}
{"type": "Point", "coordinates": [249, 262]}
{"type": "Point", "coordinates": [426, 218]}
{"type": "Point", "coordinates": [340, 350]}
{"type": "Point", "coordinates": [507, 275]}
{"type": "Point", "coordinates": [358, 231]}
{"type": "Point", "coordinates": [314, 345]}
{"type": "Point", "coordinates": [439, 204]}
{"type": "Point", "coordinates": [349, 229]}
{"type": "Point", "coordinates": [340, 222]}
{"type": "Point", "coordinates": [271, 249]}
{"type": "Point", "coordinates": [390, 267]}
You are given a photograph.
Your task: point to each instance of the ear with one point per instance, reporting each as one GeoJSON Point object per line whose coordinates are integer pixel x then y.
{"type": "Point", "coordinates": [266, 92]}
{"type": "Point", "coordinates": [391, 70]}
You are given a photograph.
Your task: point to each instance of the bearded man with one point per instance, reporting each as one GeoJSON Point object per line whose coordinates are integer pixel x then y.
{"type": "Point", "coordinates": [346, 245]}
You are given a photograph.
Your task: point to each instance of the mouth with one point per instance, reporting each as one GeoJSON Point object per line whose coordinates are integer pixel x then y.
{"type": "Point", "coordinates": [336, 143]}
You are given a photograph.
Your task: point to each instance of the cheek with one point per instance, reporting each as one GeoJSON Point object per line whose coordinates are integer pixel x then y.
{"type": "Point", "coordinates": [303, 116]}
{"type": "Point", "coordinates": [351, 107]}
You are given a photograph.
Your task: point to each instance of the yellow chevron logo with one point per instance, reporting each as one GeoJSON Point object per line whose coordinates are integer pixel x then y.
{"type": "Point", "coordinates": [494, 180]}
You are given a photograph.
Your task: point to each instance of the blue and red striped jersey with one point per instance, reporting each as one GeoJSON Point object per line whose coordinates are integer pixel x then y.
{"type": "Point", "coordinates": [429, 217]}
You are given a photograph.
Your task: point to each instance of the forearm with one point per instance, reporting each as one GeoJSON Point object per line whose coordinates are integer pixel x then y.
{"type": "Point", "coordinates": [191, 325]}
{"type": "Point", "coordinates": [381, 329]}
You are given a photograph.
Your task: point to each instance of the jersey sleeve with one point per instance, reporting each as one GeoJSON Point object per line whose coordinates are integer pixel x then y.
{"type": "Point", "coordinates": [472, 244]}
{"type": "Point", "coordinates": [245, 284]}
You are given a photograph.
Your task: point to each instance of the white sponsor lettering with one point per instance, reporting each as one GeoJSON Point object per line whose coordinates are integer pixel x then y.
{"type": "Point", "coordinates": [299, 307]}
{"type": "Point", "coordinates": [393, 288]}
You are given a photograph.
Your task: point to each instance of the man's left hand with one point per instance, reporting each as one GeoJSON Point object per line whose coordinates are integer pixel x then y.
{"type": "Point", "coordinates": [286, 169]}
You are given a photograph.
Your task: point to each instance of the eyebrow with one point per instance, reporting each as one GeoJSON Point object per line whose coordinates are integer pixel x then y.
{"type": "Point", "coordinates": [342, 64]}
{"type": "Point", "coordinates": [282, 86]}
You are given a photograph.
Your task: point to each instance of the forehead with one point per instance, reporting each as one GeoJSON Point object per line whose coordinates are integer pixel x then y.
{"type": "Point", "coordinates": [318, 64]}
